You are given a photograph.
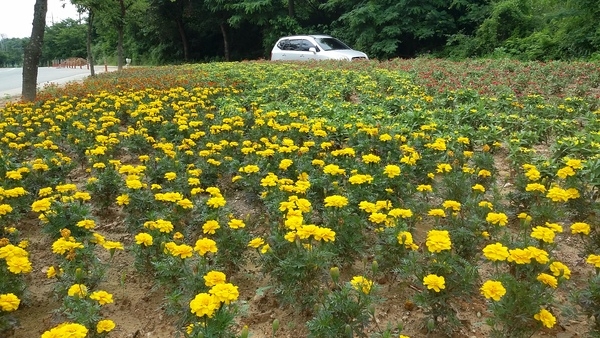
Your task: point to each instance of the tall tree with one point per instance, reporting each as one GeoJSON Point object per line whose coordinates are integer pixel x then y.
{"type": "Point", "coordinates": [33, 51]}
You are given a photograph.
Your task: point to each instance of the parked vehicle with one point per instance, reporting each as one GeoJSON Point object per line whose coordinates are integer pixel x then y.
{"type": "Point", "coordinates": [314, 47]}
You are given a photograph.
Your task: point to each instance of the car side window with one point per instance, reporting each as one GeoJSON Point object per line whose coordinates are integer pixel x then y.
{"type": "Point", "coordinates": [306, 45]}
{"type": "Point", "coordinates": [300, 45]}
{"type": "Point", "coordinates": [284, 44]}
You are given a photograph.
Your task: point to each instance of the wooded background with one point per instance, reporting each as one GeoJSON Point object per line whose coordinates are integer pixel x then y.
{"type": "Point", "coordinates": [155, 32]}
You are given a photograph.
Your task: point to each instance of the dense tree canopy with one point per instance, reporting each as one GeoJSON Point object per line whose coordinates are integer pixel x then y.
{"type": "Point", "coordinates": [177, 31]}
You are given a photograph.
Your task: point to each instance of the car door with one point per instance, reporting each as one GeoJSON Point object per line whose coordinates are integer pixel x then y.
{"type": "Point", "coordinates": [300, 50]}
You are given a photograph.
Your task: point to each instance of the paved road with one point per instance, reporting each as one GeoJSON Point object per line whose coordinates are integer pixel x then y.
{"type": "Point", "coordinates": [11, 79]}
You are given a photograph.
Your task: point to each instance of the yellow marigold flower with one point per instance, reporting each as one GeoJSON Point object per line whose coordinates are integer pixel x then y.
{"type": "Point", "coordinates": [572, 193]}
{"type": "Point", "coordinates": [593, 260]}
{"type": "Point", "coordinates": [565, 172]}
{"type": "Point", "coordinates": [438, 240]}
{"type": "Point", "coordinates": [385, 137]}
{"type": "Point", "coordinates": [9, 302]}
{"type": "Point", "coordinates": [478, 187]}
{"type": "Point", "coordinates": [443, 168]}
{"type": "Point", "coordinates": [554, 227]}
{"type": "Point", "coordinates": [362, 284]}
{"type": "Point", "coordinates": [303, 204]}
{"type": "Point", "coordinates": [575, 164]}
{"type": "Point", "coordinates": [492, 289]}
{"type": "Point", "coordinates": [533, 174]}
{"type": "Point", "coordinates": [170, 176]}
{"type": "Point", "coordinates": [535, 187]}
{"type": "Point", "coordinates": [496, 252]}
{"type": "Point", "coordinates": [163, 225]}
{"type": "Point", "coordinates": [519, 256]}
{"type": "Point", "coordinates": [371, 158]}
{"type": "Point", "coordinates": [580, 228]}
{"type": "Point", "coordinates": [285, 164]}
{"type": "Point", "coordinates": [497, 218]}
{"type": "Point", "coordinates": [236, 223]}
{"type": "Point", "coordinates": [250, 169]}
{"type": "Point", "coordinates": [540, 255]}
{"type": "Point", "coordinates": [317, 162]}
{"type": "Point", "coordinates": [265, 248]}
{"type": "Point", "coordinates": [336, 201]}
{"type": "Point", "coordinates": [51, 272]}
{"type": "Point", "coordinates": [225, 292]}
{"type": "Point", "coordinates": [324, 234]}
{"type": "Point", "coordinates": [543, 234]}
{"type": "Point", "coordinates": [210, 227]}
{"type": "Point", "coordinates": [368, 206]}
{"type": "Point", "coordinates": [437, 213]}
{"type": "Point", "coordinates": [14, 175]}
{"type": "Point", "coordinates": [216, 202]}
{"type": "Point", "coordinates": [45, 192]}
{"type": "Point", "coordinates": [143, 238]}
{"type": "Point", "coordinates": [360, 179]}
{"type": "Point", "coordinates": [41, 205]}
{"type": "Point", "coordinates": [77, 290]}
{"type": "Point", "coordinates": [84, 196]}
{"type": "Point", "coordinates": [290, 236]}
{"type": "Point", "coordinates": [333, 170]}
{"type": "Point", "coordinates": [204, 304]}
{"type": "Point", "coordinates": [71, 330]}
{"type": "Point", "coordinates": [391, 170]}
{"type": "Point", "coordinates": [484, 173]}
{"type": "Point", "coordinates": [450, 204]}
{"type": "Point", "coordinates": [61, 245]}
{"type": "Point", "coordinates": [182, 250]}
{"type": "Point", "coordinates": [377, 217]}
{"type": "Point", "coordinates": [18, 264]}
{"type": "Point", "coordinates": [98, 239]}
{"type": "Point", "coordinates": [105, 325]}
{"type": "Point", "coordinates": [547, 319]}
{"type": "Point", "coordinates": [424, 187]}
{"type": "Point", "coordinates": [558, 268]}
{"type": "Point", "coordinates": [204, 245]}
{"type": "Point", "coordinates": [557, 194]}
{"type": "Point", "coordinates": [463, 140]}
{"type": "Point", "coordinates": [134, 184]}
{"type": "Point", "coordinates": [256, 242]}
{"type": "Point", "coordinates": [102, 297]}
{"type": "Point", "coordinates": [434, 282]}
{"type": "Point", "coordinates": [403, 213]}
{"type": "Point", "coordinates": [185, 203]}
{"type": "Point", "coordinates": [213, 278]}
{"type": "Point", "coordinates": [9, 251]}
{"type": "Point", "coordinates": [123, 199]}
{"type": "Point", "coordinates": [548, 280]}
{"type": "Point", "coordinates": [405, 238]}
{"type": "Point", "coordinates": [86, 224]}
{"type": "Point", "coordinates": [486, 204]}
{"type": "Point", "coordinates": [112, 245]}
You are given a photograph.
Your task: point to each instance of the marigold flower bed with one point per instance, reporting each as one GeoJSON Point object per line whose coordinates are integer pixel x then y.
{"type": "Point", "coordinates": [322, 199]}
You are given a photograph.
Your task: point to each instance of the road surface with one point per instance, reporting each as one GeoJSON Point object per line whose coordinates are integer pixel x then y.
{"type": "Point", "coordinates": [11, 79]}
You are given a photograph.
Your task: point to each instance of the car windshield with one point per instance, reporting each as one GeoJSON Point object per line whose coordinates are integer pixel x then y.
{"type": "Point", "coordinates": [331, 44]}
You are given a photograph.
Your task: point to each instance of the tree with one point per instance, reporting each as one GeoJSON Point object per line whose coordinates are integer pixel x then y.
{"type": "Point", "coordinates": [33, 51]}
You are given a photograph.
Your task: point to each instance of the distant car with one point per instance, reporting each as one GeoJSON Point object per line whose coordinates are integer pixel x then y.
{"type": "Point", "coordinates": [314, 47]}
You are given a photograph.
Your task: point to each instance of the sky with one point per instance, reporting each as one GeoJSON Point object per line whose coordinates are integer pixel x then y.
{"type": "Point", "coordinates": [16, 16]}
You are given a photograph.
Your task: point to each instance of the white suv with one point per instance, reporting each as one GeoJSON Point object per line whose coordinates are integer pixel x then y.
{"type": "Point", "coordinates": [314, 47]}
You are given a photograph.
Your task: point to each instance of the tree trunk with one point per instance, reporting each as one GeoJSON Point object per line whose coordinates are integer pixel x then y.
{"type": "Point", "coordinates": [33, 51]}
{"type": "Point", "coordinates": [291, 9]}
{"type": "Point", "coordinates": [90, 57]}
{"type": "Point", "coordinates": [184, 41]}
{"type": "Point", "coordinates": [225, 41]}
{"type": "Point", "coordinates": [120, 29]}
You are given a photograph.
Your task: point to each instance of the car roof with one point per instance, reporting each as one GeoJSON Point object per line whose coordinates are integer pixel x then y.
{"type": "Point", "coordinates": [314, 36]}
